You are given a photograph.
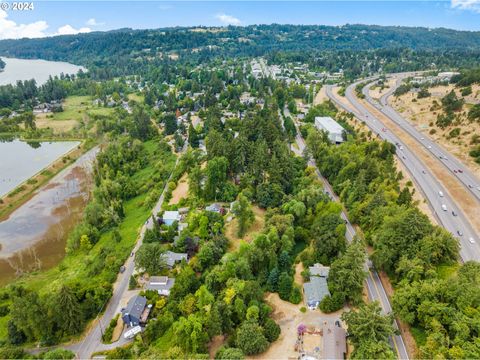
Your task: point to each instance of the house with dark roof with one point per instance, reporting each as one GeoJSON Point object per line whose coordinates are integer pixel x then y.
{"type": "Point", "coordinates": [317, 288]}
{"type": "Point", "coordinates": [334, 341]}
{"type": "Point", "coordinates": [132, 314]}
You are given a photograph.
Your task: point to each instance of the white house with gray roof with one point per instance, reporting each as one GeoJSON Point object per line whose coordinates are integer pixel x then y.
{"type": "Point", "coordinates": [171, 258]}
{"type": "Point", "coordinates": [317, 288]}
{"type": "Point", "coordinates": [160, 284]}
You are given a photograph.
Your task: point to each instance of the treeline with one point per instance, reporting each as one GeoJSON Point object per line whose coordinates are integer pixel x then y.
{"type": "Point", "coordinates": [124, 52]}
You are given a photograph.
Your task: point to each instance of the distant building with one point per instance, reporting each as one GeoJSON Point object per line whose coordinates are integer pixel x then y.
{"type": "Point", "coordinates": [132, 314]}
{"type": "Point", "coordinates": [331, 127]}
{"type": "Point", "coordinates": [317, 288]}
{"type": "Point", "coordinates": [161, 284]}
{"type": "Point", "coordinates": [334, 341]}
{"type": "Point", "coordinates": [171, 258]}
{"type": "Point", "coordinates": [169, 217]}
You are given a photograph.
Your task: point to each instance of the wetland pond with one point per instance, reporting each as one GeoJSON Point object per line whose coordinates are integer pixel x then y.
{"type": "Point", "coordinates": [33, 237]}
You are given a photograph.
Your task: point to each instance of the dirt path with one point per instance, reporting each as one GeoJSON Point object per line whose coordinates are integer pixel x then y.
{"type": "Point", "coordinates": [457, 191]}
{"type": "Point", "coordinates": [298, 278]}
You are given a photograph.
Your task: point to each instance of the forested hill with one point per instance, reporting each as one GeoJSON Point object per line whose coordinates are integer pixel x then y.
{"type": "Point", "coordinates": [118, 48]}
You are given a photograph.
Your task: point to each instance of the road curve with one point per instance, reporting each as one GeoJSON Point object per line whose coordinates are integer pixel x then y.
{"type": "Point", "coordinates": [424, 179]}
{"type": "Point", "coordinates": [375, 289]}
{"type": "Point", "coordinates": [453, 164]}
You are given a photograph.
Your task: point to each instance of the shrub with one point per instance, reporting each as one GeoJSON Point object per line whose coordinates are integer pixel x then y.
{"type": "Point", "coordinates": [271, 330]}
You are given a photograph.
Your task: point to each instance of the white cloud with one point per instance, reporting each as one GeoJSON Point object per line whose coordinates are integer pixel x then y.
{"type": "Point", "coordinates": [69, 30]}
{"type": "Point", "coordinates": [228, 19]}
{"type": "Point", "coordinates": [473, 5]}
{"type": "Point", "coordinates": [93, 22]}
{"type": "Point", "coordinates": [11, 30]}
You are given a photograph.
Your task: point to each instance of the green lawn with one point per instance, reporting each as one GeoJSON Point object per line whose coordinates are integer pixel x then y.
{"type": "Point", "coordinates": [136, 97]}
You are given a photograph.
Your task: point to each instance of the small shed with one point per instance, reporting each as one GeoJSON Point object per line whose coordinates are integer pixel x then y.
{"type": "Point", "coordinates": [169, 217]}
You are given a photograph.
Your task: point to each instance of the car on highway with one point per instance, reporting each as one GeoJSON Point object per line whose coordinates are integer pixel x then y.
{"type": "Point", "coordinates": [424, 172]}
{"type": "Point", "coordinates": [460, 171]}
{"type": "Point", "coordinates": [440, 193]}
{"type": "Point", "coordinates": [422, 138]}
{"type": "Point", "coordinates": [455, 171]}
{"type": "Point", "coordinates": [444, 207]}
{"type": "Point", "coordinates": [471, 240]}
{"type": "Point", "coordinates": [459, 232]}
{"type": "Point", "coordinates": [470, 186]}
{"type": "Point", "coordinates": [429, 146]}
{"type": "Point", "coordinates": [454, 213]}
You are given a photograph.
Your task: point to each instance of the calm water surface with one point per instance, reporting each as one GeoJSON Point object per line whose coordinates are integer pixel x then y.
{"type": "Point", "coordinates": [20, 160]}
{"type": "Point", "coordinates": [40, 70]}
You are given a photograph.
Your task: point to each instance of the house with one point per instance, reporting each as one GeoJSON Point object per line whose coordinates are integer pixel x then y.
{"type": "Point", "coordinates": [334, 341]}
{"type": "Point", "coordinates": [215, 207]}
{"type": "Point", "coordinates": [317, 288]}
{"type": "Point", "coordinates": [319, 270]}
{"type": "Point", "coordinates": [132, 314]}
{"type": "Point", "coordinates": [161, 284]}
{"type": "Point", "coordinates": [331, 127]}
{"type": "Point", "coordinates": [169, 217]}
{"type": "Point", "coordinates": [171, 258]}
{"type": "Point", "coordinates": [201, 146]}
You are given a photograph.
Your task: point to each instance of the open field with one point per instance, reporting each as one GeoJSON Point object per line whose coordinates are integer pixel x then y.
{"type": "Point", "coordinates": [320, 97]}
{"type": "Point", "coordinates": [75, 110]}
{"type": "Point", "coordinates": [255, 228]}
{"type": "Point", "coordinates": [377, 92]}
{"type": "Point", "coordinates": [419, 112]}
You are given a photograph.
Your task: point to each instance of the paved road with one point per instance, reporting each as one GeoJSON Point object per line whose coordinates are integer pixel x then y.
{"type": "Point", "coordinates": [375, 289]}
{"type": "Point", "coordinates": [421, 175]}
{"type": "Point", "coordinates": [465, 176]}
{"type": "Point", "coordinates": [93, 340]}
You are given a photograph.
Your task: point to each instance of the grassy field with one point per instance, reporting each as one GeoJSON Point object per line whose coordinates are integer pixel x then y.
{"type": "Point", "coordinates": [75, 110]}
{"type": "Point", "coordinates": [136, 97]}
{"type": "Point", "coordinates": [255, 228]}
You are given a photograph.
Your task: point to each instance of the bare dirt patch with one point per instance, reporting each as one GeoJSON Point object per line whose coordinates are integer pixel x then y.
{"type": "Point", "coordinates": [215, 344]}
{"type": "Point", "coordinates": [377, 92]}
{"type": "Point", "coordinates": [320, 97]}
{"type": "Point", "coordinates": [288, 316]}
{"type": "Point", "coordinates": [298, 278]}
{"type": "Point", "coordinates": [255, 228]}
{"type": "Point", "coordinates": [181, 191]}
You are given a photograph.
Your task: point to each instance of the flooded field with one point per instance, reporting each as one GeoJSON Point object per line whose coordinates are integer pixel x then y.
{"type": "Point", "coordinates": [34, 235]}
{"type": "Point", "coordinates": [20, 160]}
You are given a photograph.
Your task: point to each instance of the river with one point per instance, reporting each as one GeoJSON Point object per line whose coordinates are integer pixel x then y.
{"type": "Point", "coordinates": [40, 70]}
{"type": "Point", "coordinates": [34, 235]}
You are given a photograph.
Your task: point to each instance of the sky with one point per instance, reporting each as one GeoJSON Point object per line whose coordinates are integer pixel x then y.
{"type": "Point", "coordinates": [50, 18]}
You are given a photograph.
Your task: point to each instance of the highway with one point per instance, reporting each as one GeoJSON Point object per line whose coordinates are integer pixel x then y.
{"type": "Point", "coordinates": [375, 289]}
{"type": "Point", "coordinates": [455, 166]}
{"type": "Point", "coordinates": [434, 192]}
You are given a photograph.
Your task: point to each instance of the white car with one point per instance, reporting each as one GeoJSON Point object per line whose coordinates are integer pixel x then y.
{"type": "Point", "coordinates": [440, 193]}
{"type": "Point", "coordinates": [429, 146]}
{"type": "Point", "coordinates": [444, 207]}
{"type": "Point", "coordinates": [471, 240]}
{"type": "Point", "coordinates": [422, 138]}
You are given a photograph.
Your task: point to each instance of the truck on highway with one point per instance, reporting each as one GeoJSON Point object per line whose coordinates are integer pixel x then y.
{"type": "Point", "coordinates": [130, 334]}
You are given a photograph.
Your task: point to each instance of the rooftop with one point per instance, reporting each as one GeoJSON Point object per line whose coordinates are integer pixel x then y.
{"type": "Point", "coordinates": [334, 341]}
{"type": "Point", "coordinates": [319, 270]}
{"type": "Point", "coordinates": [316, 289]}
{"type": "Point", "coordinates": [328, 124]}
{"type": "Point", "coordinates": [135, 306]}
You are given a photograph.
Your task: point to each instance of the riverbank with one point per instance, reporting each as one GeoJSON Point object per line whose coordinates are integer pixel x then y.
{"type": "Point", "coordinates": [24, 191]}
